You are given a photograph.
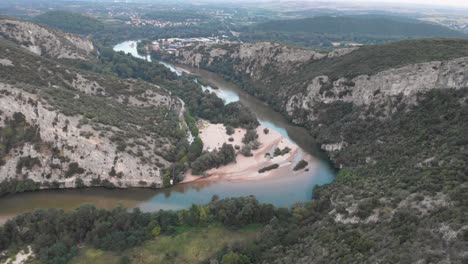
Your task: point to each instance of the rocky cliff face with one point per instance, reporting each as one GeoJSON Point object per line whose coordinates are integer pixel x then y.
{"type": "Point", "coordinates": [77, 128]}
{"type": "Point", "coordinates": [287, 79]}
{"type": "Point", "coordinates": [252, 59]}
{"type": "Point", "coordinates": [365, 90]}
{"type": "Point", "coordinates": [68, 150]}
{"type": "Point", "coordinates": [45, 41]}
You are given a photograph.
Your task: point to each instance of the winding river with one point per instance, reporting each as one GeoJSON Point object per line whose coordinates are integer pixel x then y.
{"type": "Point", "coordinates": [281, 191]}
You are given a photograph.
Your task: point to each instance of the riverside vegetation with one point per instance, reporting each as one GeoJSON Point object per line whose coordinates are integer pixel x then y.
{"type": "Point", "coordinates": [55, 234]}
{"type": "Point", "coordinates": [399, 197]}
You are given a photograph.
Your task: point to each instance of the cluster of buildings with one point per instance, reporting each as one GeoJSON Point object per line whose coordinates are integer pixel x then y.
{"type": "Point", "coordinates": [138, 21]}
{"type": "Point", "coordinates": [170, 45]}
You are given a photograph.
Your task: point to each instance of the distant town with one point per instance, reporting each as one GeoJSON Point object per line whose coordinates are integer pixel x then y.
{"type": "Point", "coordinates": [171, 45]}
{"type": "Point", "coordinates": [137, 21]}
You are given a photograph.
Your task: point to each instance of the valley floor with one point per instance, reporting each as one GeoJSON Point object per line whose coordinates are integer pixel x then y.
{"type": "Point", "coordinates": [188, 245]}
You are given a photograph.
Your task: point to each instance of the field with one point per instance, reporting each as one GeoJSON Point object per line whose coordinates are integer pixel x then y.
{"type": "Point", "coordinates": [188, 245]}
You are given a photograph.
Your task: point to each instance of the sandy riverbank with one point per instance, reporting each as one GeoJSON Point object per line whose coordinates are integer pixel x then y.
{"type": "Point", "coordinates": [246, 168]}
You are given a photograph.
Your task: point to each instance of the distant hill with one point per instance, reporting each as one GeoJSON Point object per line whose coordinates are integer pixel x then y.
{"type": "Point", "coordinates": [320, 31]}
{"type": "Point", "coordinates": [360, 25]}
{"type": "Point", "coordinates": [70, 22]}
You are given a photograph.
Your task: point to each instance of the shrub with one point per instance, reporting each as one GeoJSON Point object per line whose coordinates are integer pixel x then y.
{"type": "Point", "coordinates": [27, 162]}
{"type": "Point", "coordinates": [246, 150]}
{"type": "Point", "coordinates": [281, 152]}
{"type": "Point", "coordinates": [214, 159]}
{"type": "Point", "coordinates": [300, 165]}
{"type": "Point", "coordinates": [79, 183]}
{"type": "Point", "coordinates": [229, 130]}
{"type": "Point", "coordinates": [268, 168]}
{"type": "Point", "coordinates": [250, 136]}
{"type": "Point", "coordinates": [73, 168]}
{"type": "Point", "coordinates": [235, 258]}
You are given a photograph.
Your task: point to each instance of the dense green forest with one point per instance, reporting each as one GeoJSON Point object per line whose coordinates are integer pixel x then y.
{"type": "Point", "coordinates": [70, 22]}
{"type": "Point", "coordinates": [54, 235]}
{"type": "Point", "coordinates": [321, 31]}
{"type": "Point", "coordinates": [422, 159]}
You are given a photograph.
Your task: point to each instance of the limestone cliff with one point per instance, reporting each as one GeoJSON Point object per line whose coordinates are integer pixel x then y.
{"type": "Point", "coordinates": [298, 81]}
{"type": "Point", "coordinates": [45, 41]}
{"type": "Point", "coordinates": [61, 127]}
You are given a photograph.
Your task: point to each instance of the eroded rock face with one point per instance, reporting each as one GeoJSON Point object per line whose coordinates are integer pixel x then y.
{"type": "Point", "coordinates": [251, 58]}
{"type": "Point", "coordinates": [364, 90]}
{"type": "Point", "coordinates": [89, 129]}
{"type": "Point", "coordinates": [64, 141]}
{"type": "Point", "coordinates": [46, 41]}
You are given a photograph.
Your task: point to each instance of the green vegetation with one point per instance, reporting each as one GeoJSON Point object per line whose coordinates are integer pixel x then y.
{"type": "Point", "coordinates": [70, 22]}
{"type": "Point", "coordinates": [394, 163]}
{"type": "Point", "coordinates": [15, 132]}
{"type": "Point", "coordinates": [200, 104]}
{"type": "Point", "coordinates": [321, 31]}
{"type": "Point", "coordinates": [189, 245]}
{"type": "Point", "coordinates": [217, 157]}
{"type": "Point", "coordinates": [375, 58]}
{"type": "Point", "coordinates": [275, 89]}
{"type": "Point", "coordinates": [392, 178]}
{"type": "Point", "coordinates": [230, 130]}
{"type": "Point", "coordinates": [11, 186]}
{"type": "Point", "coordinates": [54, 234]}
{"type": "Point", "coordinates": [109, 32]}
{"type": "Point", "coordinates": [268, 168]}
{"type": "Point", "coordinates": [73, 168]}
{"type": "Point", "coordinates": [250, 135]}
{"type": "Point", "coordinates": [235, 258]}
{"type": "Point", "coordinates": [126, 66]}
{"type": "Point", "coordinates": [281, 152]}
{"type": "Point", "coordinates": [300, 165]}
{"type": "Point", "coordinates": [27, 162]}
{"type": "Point", "coordinates": [176, 16]}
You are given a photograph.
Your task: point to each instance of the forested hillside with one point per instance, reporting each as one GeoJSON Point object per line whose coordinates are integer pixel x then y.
{"type": "Point", "coordinates": [323, 30]}
{"type": "Point", "coordinates": [393, 118]}
{"type": "Point", "coordinates": [70, 22]}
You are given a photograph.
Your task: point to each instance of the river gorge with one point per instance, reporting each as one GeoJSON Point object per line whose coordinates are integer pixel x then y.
{"type": "Point", "coordinates": [282, 190]}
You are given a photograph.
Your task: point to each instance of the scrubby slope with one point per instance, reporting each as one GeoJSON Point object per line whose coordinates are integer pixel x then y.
{"type": "Point", "coordinates": [84, 128]}
{"type": "Point", "coordinates": [45, 41]}
{"type": "Point", "coordinates": [394, 119]}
